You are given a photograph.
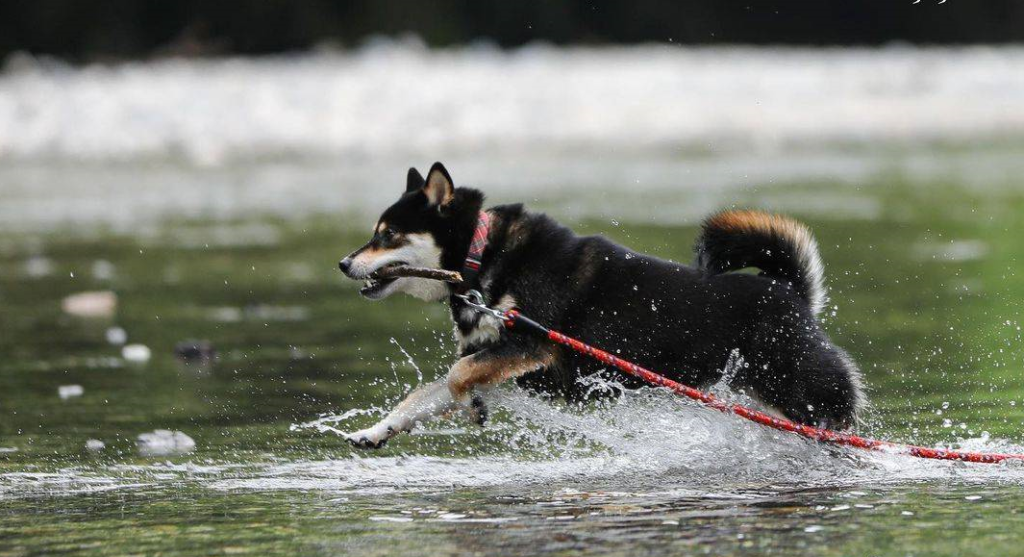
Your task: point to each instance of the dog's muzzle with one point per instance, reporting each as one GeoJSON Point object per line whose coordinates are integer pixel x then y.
{"type": "Point", "coordinates": [345, 265]}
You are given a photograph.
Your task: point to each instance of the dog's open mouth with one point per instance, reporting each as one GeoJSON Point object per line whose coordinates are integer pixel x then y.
{"type": "Point", "coordinates": [379, 281]}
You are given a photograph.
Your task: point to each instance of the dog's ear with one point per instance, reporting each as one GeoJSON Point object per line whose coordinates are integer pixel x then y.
{"type": "Point", "coordinates": [414, 181]}
{"type": "Point", "coordinates": [439, 187]}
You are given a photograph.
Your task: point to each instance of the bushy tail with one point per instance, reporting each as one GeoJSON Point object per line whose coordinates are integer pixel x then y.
{"type": "Point", "coordinates": [781, 247]}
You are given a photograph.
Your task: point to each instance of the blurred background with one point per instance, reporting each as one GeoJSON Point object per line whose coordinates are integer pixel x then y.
{"type": "Point", "coordinates": [179, 179]}
{"type": "Point", "coordinates": [122, 29]}
{"type": "Point", "coordinates": [283, 103]}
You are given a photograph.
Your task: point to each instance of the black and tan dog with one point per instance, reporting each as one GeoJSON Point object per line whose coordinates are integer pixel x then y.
{"type": "Point", "coordinates": [683, 321]}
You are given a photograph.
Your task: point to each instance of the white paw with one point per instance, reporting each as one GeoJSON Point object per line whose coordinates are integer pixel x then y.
{"type": "Point", "coordinates": [370, 438]}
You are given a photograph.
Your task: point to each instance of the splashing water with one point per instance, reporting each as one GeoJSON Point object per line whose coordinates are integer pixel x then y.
{"type": "Point", "coordinates": [409, 359]}
{"type": "Point", "coordinates": [644, 438]}
{"type": "Point", "coordinates": [326, 423]}
{"type": "Point", "coordinates": [637, 440]}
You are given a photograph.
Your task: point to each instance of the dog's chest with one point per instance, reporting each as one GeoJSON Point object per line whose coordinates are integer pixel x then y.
{"type": "Point", "coordinates": [475, 331]}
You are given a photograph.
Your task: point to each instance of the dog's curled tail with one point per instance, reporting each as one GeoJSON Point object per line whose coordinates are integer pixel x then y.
{"type": "Point", "coordinates": [780, 246]}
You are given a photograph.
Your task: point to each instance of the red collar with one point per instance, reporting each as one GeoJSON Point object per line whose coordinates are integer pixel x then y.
{"type": "Point", "coordinates": [477, 246]}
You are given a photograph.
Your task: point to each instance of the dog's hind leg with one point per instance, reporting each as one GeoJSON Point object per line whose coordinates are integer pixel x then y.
{"type": "Point", "coordinates": [460, 390]}
{"type": "Point", "coordinates": [808, 379]}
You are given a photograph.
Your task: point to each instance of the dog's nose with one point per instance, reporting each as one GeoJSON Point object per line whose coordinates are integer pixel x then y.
{"type": "Point", "coordinates": [345, 265]}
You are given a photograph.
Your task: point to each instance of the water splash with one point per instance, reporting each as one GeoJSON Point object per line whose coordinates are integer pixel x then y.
{"type": "Point", "coordinates": [327, 423]}
{"type": "Point", "coordinates": [642, 438]}
{"type": "Point", "coordinates": [645, 440]}
{"type": "Point", "coordinates": [409, 359]}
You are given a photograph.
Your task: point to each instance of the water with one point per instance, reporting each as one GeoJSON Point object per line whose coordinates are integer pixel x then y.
{"type": "Point", "coordinates": [232, 237]}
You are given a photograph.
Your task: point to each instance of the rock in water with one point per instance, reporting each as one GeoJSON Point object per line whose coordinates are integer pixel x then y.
{"type": "Point", "coordinates": [90, 304]}
{"type": "Point", "coordinates": [195, 351]}
{"type": "Point", "coordinates": [116, 336]}
{"type": "Point", "coordinates": [164, 442]}
{"type": "Point", "coordinates": [70, 391]}
{"type": "Point", "coordinates": [136, 353]}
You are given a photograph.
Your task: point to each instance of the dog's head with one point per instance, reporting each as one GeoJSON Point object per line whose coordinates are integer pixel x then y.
{"type": "Point", "coordinates": [422, 229]}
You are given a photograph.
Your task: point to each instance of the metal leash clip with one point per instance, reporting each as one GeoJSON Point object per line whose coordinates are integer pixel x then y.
{"type": "Point", "coordinates": [475, 300]}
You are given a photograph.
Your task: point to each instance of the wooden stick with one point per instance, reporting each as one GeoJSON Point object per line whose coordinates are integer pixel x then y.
{"type": "Point", "coordinates": [419, 272]}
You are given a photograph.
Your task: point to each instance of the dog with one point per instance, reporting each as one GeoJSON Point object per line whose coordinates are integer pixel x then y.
{"type": "Point", "coordinates": [685, 322]}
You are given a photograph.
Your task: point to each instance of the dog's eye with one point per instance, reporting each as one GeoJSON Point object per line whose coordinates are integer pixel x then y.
{"type": "Point", "coordinates": [389, 233]}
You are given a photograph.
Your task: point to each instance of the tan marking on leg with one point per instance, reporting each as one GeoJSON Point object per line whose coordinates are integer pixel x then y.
{"type": "Point", "coordinates": [485, 371]}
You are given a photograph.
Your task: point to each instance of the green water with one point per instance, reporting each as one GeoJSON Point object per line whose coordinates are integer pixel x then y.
{"type": "Point", "coordinates": [927, 293]}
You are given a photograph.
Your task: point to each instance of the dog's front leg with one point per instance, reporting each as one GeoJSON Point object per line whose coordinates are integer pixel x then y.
{"type": "Point", "coordinates": [458, 391]}
{"type": "Point", "coordinates": [471, 376]}
{"type": "Point", "coordinates": [424, 403]}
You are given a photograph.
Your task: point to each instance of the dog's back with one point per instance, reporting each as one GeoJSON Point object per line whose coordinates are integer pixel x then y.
{"type": "Point", "coordinates": [688, 321]}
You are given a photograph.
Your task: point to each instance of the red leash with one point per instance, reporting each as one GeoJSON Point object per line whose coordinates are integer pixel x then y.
{"type": "Point", "coordinates": [513, 320]}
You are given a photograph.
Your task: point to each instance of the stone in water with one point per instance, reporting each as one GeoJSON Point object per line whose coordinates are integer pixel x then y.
{"type": "Point", "coordinates": [164, 442]}
{"type": "Point", "coordinates": [70, 391]}
{"type": "Point", "coordinates": [136, 353]}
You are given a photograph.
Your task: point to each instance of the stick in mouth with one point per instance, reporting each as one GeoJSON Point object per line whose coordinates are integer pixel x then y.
{"type": "Point", "coordinates": [399, 271]}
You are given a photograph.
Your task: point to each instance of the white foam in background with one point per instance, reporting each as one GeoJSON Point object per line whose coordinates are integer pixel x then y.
{"type": "Point", "coordinates": [400, 97]}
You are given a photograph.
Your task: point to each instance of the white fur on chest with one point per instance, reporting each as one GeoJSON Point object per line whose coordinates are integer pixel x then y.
{"type": "Point", "coordinates": [487, 329]}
